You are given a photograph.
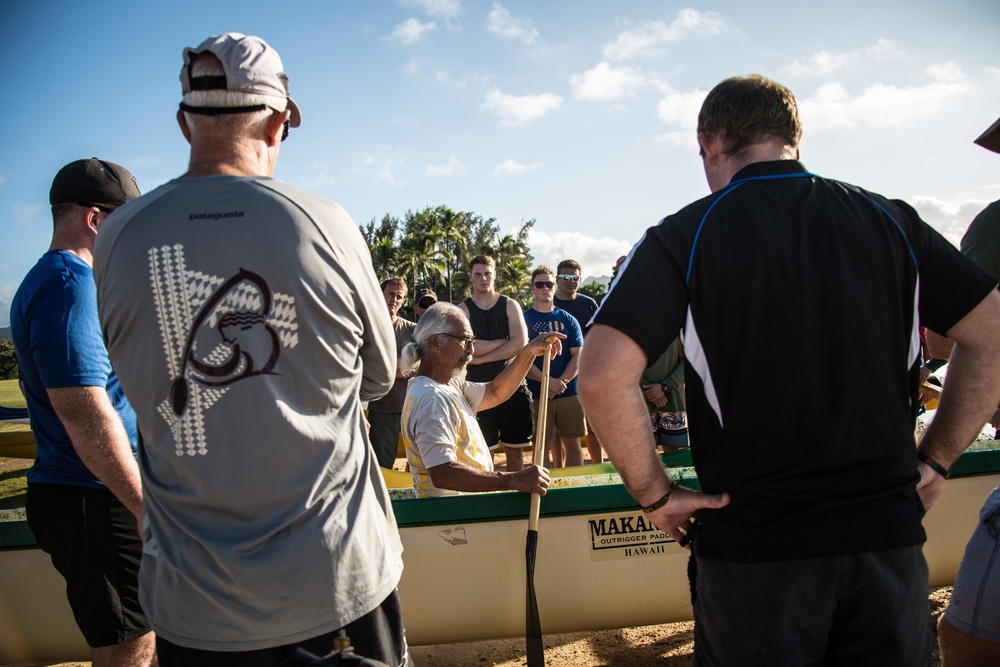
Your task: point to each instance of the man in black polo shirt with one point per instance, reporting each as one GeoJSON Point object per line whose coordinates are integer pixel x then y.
{"type": "Point", "coordinates": [798, 300]}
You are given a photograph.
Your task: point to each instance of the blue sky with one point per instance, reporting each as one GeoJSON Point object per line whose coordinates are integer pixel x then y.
{"type": "Point", "coordinates": [579, 114]}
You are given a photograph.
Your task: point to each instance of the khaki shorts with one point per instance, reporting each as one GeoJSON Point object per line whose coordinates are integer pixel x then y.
{"type": "Point", "coordinates": [565, 417]}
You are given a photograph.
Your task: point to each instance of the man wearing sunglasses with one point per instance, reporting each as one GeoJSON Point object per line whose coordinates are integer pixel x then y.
{"type": "Point", "coordinates": [246, 320]}
{"type": "Point", "coordinates": [447, 451]}
{"type": "Point", "coordinates": [569, 274]}
{"type": "Point", "coordinates": [565, 424]}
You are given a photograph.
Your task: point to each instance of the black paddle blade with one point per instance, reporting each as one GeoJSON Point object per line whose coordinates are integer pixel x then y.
{"type": "Point", "coordinates": [533, 625]}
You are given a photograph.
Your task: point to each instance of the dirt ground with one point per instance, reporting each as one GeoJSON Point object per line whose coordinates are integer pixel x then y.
{"type": "Point", "coordinates": [669, 645]}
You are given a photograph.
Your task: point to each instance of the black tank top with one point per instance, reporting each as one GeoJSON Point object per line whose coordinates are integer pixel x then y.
{"type": "Point", "coordinates": [488, 325]}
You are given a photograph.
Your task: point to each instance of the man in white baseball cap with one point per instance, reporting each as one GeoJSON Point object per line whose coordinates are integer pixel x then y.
{"type": "Point", "coordinates": [253, 79]}
{"type": "Point", "coordinates": [257, 332]}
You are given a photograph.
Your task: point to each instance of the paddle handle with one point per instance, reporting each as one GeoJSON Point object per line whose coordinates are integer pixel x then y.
{"type": "Point", "coordinates": [538, 453]}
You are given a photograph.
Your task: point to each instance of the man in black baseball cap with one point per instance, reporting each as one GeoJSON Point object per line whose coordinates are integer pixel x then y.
{"type": "Point", "coordinates": [423, 300]}
{"type": "Point", "coordinates": [93, 182]}
{"type": "Point", "coordinates": [84, 499]}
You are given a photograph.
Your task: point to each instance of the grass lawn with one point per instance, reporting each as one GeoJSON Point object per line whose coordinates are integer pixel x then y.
{"type": "Point", "coordinates": [10, 394]}
{"type": "Point", "coordinates": [12, 482]}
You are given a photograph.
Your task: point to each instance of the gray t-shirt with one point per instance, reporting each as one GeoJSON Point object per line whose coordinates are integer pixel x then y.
{"type": "Point", "coordinates": [246, 324]}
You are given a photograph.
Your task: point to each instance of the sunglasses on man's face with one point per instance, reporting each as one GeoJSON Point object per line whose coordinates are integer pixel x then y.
{"type": "Point", "coordinates": [544, 283]}
{"type": "Point", "coordinates": [468, 342]}
{"type": "Point", "coordinates": [570, 278]}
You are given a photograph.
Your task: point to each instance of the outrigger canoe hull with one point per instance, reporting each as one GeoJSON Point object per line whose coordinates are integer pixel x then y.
{"type": "Point", "coordinates": [599, 565]}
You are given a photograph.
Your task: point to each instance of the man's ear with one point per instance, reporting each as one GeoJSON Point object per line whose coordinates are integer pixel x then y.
{"type": "Point", "coordinates": [93, 216]}
{"type": "Point", "coordinates": [711, 147]}
{"type": "Point", "coordinates": [276, 127]}
{"type": "Point", "coordinates": [182, 121]}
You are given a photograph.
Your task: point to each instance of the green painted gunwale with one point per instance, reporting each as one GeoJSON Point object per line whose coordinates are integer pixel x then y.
{"type": "Point", "coordinates": [414, 513]}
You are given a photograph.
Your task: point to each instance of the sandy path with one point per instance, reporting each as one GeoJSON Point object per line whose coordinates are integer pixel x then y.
{"type": "Point", "coordinates": [670, 645]}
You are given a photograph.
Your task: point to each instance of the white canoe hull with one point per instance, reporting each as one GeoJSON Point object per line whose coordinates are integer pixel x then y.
{"type": "Point", "coordinates": [465, 580]}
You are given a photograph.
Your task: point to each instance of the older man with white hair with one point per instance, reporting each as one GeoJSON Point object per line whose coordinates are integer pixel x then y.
{"type": "Point", "coordinates": [254, 334]}
{"type": "Point", "coordinates": [445, 447]}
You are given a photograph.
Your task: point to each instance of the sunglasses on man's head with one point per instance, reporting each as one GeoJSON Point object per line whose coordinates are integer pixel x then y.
{"type": "Point", "coordinates": [544, 283]}
{"type": "Point", "coordinates": [571, 278]}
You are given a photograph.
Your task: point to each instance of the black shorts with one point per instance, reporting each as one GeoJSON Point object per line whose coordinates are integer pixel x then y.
{"type": "Point", "coordinates": [511, 422]}
{"type": "Point", "coordinates": [856, 609]}
{"type": "Point", "coordinates": [94, 544]}
{"type": "Point", "coordinates": [377, 635]}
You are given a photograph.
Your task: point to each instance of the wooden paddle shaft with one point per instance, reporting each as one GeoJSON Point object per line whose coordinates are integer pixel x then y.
{"type": "Point", "coordinates": [928, 389]}
{"type": "Point", "coordinates": [538, 454]}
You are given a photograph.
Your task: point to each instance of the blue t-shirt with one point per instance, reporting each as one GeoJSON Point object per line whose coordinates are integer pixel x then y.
{"type": "Point", "coordinates": [558, 321]}
{"type": "Point", "coordinates": [58, 342]}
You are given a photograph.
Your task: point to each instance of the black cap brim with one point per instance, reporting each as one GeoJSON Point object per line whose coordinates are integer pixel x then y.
{"type": "Point", "coordinates": [990, 139]}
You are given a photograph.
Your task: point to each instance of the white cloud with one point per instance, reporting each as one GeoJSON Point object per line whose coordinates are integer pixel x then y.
{"type": "Point", "coordinates": [316, 178]}
{"type": "Point", "coordinates": [379, 166]}
{"type": "Point", "coordinates": [146, 161]}
{"type": "Point", "coordinates": [412, 66]}
{"type": "Point", "coordinates": [951, 220]}
{"type": "Point", "coordinates": [680, 111]}
{"type": "Point", "coordinates": [880, 105]}
{"type": "Point", "coordinates": [503, 23]}
{"type": "Point", "coordinates": [607, 82]}
{"type": "Point", "coordinates": [411, 31]}
{"type": "Point", "coordinates": [510, 167]}
{"type": "Point", "coordinates": [470, 79]}
{"type": "Point", "coordinates": [453, 168]}
{"type": "Point", "coordinates": [448, 9]}
{"type": "Point", "coordinates": [6, 296]}
{"type": "Point", "coordinates": [823, 64]}
{"type": "Point", "coordinates": [596, 255]}
{"type": "Point", "coordinates": [26, 211]}
{"type": "Point", "coordinates": [992, 71]}
{"type": "Point", "coordinates": [648, 39]}
{"type": "Point", "coordinates": [519, 110]}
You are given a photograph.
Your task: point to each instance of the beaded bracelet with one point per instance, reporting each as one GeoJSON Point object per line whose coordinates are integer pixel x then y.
{"type": "Point", "coordinates": [662, 501]}
{"type": "Point", "coordinates": [934, 465]}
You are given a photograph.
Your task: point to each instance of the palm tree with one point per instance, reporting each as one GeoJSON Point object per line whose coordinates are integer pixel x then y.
{"type": "Point", "coordinates": [382, 245]}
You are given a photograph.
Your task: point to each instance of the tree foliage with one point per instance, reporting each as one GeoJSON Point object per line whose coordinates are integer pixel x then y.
{"type": "Point", "coordinates": [8, 363]}
{"type": "Point", "coordinates": [432, 248]}
{"type": "Point", "coordinates": [594, 290]}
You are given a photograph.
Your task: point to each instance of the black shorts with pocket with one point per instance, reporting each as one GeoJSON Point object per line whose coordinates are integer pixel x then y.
{"type": "Point", "coordinates": [511, 422]}
{"type": "Point", "coordinates": [94, 543]}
